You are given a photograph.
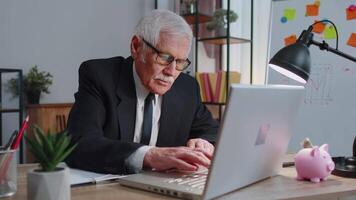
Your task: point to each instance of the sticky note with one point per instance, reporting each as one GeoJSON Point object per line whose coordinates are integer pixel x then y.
{"type": "Point", "coordinates": [289, 13]}
{"type": "Point", "coordinates": [351, 12]}
{"type": "Point", "coordinates": [352, 40]}
{"type": "Point", "coordinates": [290, 40]}
{"type": "Point", "coordinates": [317, 2]}
{"type": "Point", "coordinates": [312, 10]}
{"type": "Point", "coordinates": [319, 27]}
{"type": "Point", "coordinates": [330, 33]}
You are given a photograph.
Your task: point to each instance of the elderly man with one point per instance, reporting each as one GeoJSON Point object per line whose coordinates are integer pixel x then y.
{"type": "Point", "coordinates": [142, 112]}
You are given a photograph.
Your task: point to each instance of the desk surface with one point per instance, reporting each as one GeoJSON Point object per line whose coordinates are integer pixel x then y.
{"type": "Point", "coordinates": [282, 186]}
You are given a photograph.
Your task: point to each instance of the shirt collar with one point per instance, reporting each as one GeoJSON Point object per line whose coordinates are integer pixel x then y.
{"type": "Point", "coordinates": [141, 91]}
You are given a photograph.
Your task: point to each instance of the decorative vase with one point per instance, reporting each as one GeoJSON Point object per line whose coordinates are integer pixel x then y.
{"type": "Point", "coordinates": [48, 185]}
{"type": "Point", "coordinates": [221, 32]}
{"type": "Point", "coordinates": [33, 97]}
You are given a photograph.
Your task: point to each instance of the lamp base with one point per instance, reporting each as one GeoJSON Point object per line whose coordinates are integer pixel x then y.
{"type": "Point", "coordinates": [345, 167]}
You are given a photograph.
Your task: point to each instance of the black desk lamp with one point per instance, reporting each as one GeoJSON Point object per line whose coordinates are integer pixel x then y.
{"type": "Point", "coordinates": [293, 61]}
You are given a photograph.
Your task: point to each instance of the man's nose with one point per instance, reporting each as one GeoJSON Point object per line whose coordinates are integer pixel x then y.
{"type": "Point", "coordinates": [171, 68]}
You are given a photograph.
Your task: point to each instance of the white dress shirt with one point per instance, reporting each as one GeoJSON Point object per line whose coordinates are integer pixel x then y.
{"type": "Point", "coordinates": [135, 161]}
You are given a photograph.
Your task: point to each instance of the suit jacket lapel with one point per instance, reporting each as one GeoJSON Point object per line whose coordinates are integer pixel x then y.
{"type": "Point", "coordinates": [170, 117]}
{"type": "Point", "coordinates": [126, 106]}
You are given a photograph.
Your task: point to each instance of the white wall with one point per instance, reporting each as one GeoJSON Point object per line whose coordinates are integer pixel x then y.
{"type": "Point", "coordinates": [260, 39]}
{"type": "Point", "coordinates": [59, 35]}
{"type": "Point", "coordinates": [240, 54]}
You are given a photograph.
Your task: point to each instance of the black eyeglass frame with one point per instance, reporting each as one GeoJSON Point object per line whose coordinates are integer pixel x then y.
{"type": "Point", "coordinates": [172, 58]}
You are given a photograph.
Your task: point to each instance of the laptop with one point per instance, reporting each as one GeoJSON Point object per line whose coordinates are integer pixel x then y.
{"type": "Point", "coordinates": [253, 138]}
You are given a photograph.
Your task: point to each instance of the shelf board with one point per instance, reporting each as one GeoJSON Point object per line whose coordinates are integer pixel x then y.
{"type": "Point", "coordinates": [50, 105]}
{"type": "Point", "coordinates": [223, 40]}
{"type": "Point", "coordinates": [202, 18]}
{"type": "Point", "coordinates": [4, 70]}
{"type": "Point", "coordinates": [214, 103]}
{"type": "Point", "coordinates": [9, 110]}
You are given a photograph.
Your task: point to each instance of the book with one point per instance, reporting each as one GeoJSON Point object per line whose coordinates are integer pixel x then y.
{"type": "Point", "coordinates": [234, 77]}
{"type": "Point", "coordinates": [222, 93]}
{"type": "Point", "coordinates": [80, 177]}
{"type": "Point", "coordinates": [218, 87]}
{"type": "Point", "coordinates": [207, 88]}
{"type": "Point", "coordinates": [197, 76]}
{"type": "Point", "coordinates": [213, 85]}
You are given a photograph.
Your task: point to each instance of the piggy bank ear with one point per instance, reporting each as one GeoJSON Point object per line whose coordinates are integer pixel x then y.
{"type": "Point", "coordinates": [325, 147]}
{"type": "Point", "coordinates": [315, 151]}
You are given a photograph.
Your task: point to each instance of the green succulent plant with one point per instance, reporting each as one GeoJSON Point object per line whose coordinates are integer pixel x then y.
{"type": "Point", "coordinates": [50, 149]}
{"type": "Point", "coordinates": [220, 17]}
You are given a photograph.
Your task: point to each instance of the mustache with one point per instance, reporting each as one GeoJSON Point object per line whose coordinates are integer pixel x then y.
{"type": "Point", "coordinates": [162, 77]}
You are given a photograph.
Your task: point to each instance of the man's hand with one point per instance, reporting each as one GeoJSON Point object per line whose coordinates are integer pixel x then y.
{"type": "Point", "coordinates": [182, 158]}
{"type": "Point", "coordinates": [201, 145]}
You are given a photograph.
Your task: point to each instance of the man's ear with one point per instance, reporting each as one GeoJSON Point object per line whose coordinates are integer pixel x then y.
{"type": "Point", "coordinates": [135, 46]}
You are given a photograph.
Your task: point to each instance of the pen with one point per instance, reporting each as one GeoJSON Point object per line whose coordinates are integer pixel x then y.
{"type": "Point", "coordinates": [18, 138]}
{"type": "Point", "coordinates": [11, 140]}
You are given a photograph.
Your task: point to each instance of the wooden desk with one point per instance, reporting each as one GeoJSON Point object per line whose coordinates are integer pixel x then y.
{"type": "Point", "coordinates": [283, 186]}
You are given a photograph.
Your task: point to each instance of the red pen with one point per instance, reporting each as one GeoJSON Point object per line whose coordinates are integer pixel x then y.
{"type": "Point", "coordinates": [17, 140]}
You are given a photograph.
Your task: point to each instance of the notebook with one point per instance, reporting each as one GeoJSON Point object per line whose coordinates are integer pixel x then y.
{"type": "Point", "coordinates": [81, 177]}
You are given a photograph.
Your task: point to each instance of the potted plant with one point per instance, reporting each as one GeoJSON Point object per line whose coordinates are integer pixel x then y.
{"type": "Point", "coordinates": [187, 7]}
{"type": "Point", "coordinates": [219, 21]}
{"type": "Point", "coordinates": [34, 83]}
{"type": "Point", "coordinates": [49, 182]}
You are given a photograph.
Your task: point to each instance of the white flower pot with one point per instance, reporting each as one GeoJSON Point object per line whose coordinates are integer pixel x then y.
{"type": "Point", "coordinates": [48, 185]}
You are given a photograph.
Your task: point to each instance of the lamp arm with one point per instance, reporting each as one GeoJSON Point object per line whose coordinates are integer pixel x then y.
{"type": "Point", "coordinates": [330, 22]}
{"type": "Point", "coordinates": [324, 46]}
{"type": "Point", "coordinates": [354, 148]}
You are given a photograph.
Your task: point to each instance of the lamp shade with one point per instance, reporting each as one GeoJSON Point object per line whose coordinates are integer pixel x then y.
{"type": "Point", "coordinates": [293, 61]}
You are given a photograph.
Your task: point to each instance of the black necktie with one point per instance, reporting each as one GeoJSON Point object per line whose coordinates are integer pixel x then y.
{"type": "Point", "coordinates": [147, 119]}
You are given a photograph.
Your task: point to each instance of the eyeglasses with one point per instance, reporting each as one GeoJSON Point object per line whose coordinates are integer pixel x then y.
{"type": "Point", "coordinates": [166, 59]}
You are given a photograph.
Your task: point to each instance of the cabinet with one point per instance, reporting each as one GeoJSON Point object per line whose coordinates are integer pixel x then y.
{"type": "Point", "coordinates": [49, 117]}
{"type": "Point", "coordinates": [17, 109]}
{"type": "Point", "coordinates": [219, 51]}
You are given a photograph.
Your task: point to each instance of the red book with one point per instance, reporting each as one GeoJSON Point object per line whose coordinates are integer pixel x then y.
{"type": "Point", "coordinates": [218, 87]}
{"type": "Point", "coordinates": [207, 87]}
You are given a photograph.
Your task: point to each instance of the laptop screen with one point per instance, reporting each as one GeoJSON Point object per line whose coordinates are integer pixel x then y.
{"type": "Point", "coordinates": [253, 136]}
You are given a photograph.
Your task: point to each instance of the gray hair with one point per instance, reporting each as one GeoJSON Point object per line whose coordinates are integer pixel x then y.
{"type": "Point", "coordinates": [162, 21]}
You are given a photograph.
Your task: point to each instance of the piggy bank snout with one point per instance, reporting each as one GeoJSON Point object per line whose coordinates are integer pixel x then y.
{"type": "Point", "coordinates": [331, 166]}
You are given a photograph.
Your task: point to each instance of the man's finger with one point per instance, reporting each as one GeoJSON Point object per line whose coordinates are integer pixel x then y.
{"type": "Point", "coordinates": [191, 144]}
{"type": "Point", "coordinates": [195, 157]}
{"type": "Point", "coordinates": [182, 165]}
{"type": "Point", "coordinates": [200, 144]}
{"type": "Point", "coordinates": [206, 151]}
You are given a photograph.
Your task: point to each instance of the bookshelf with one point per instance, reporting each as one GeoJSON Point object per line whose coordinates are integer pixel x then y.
{"type": "Point", "coordinates": [221, 49]}
{"type": "Point", "coordinates": [222, 44]}
{"type": "Point", "coordinates": [17, 110]}
{"type": "Point", "coordinates": [192, 19]}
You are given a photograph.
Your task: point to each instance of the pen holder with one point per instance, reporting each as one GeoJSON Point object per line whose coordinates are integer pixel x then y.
{"type": "Point", "coordinates": [8, 173]}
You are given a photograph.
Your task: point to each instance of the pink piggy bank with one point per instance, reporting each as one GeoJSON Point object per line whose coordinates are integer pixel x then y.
{"type": "Point", "coordinates": [314, 163]}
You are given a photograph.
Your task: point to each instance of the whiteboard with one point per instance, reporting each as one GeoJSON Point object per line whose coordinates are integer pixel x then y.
{"type": "Point", "coordinates": [328, 113]}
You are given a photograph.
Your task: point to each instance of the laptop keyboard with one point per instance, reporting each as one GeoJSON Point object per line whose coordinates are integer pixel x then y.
{"type": "Point", "coordinates": [193, 180]}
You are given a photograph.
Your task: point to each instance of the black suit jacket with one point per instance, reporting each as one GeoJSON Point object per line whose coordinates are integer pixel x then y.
{"type": "Point", "coordinates": [102, 120]}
